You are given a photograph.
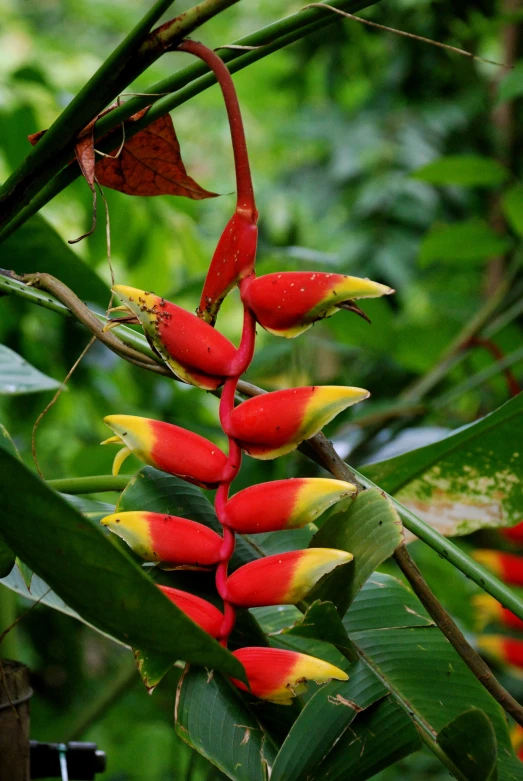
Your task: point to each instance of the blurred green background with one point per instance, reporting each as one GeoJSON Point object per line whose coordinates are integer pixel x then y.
{"type": "Point", "coordinates": [338, 125]}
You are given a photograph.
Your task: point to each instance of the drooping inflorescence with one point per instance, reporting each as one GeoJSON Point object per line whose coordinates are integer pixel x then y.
{"type": "Point", "coordinates": [264, 427]}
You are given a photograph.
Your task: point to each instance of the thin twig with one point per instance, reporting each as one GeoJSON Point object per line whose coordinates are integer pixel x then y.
{"type": "Point", "coordinates": [408, 35]}
{"type": "Point", "coordinates": [22, 616]}
{"type": "Point", "coordinates": [453, 634]}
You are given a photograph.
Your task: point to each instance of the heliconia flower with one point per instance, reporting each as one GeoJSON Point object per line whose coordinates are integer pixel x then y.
{"type": "Point", "coordinates": [489, 610]}
{"type": "Point", "coordinates": [504, 565]}
{"type": "Point", "coordinates": [513, 533]}
{"type": "Point", "coordinates": [204, 614]}
{"type": "Point", "coordinates": [283, 579]}
{"type": "Point", "coordinates": [277, 675]}
{"type": "Point", "coordinates": [288, 303]}
{"type": "Point", "coordinates": [167, 447]}
{"type": "Point", "coordinates": [276, 423]}
{"type": "Point", "coordinates": [166, 538]}
{"type": "Point", "coordinates": [233, 260]}
{"type": "Point", "coordinates": [504, 650]}
{"type": "Point", "coordinates": [194, 351]}
{"type": "Point", "coordinates": [516, 738]}
{"type": "Point", "coordinates": [283, 504]}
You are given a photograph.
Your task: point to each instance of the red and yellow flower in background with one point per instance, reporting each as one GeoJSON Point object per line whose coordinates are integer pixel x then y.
{"type": "Point", "coordinates": [167, 447]}
{"type": "Point", "coordinates": [283, 504]}
{"type": "Point", "coordinates": [193, 350]}
{"type": "Point", "coordinates": [506, 566]}
{"type": "Point", "coordinates": [283, 579]}
{"type": "Point", "coordinates": [288, 303]}
{"type": "Point", "coordinates": [513, 533]}
{"type": "Point", "coordinates": [276, 423]}
{"type": "Point", "coordinates": [166, 538]}
{"type": "Point", "coordinates": [200, 611]}
{"type": "Point", "coordinates": [488, 610]}
{"type": "Point", "coordinates": [277, 675]}
{"type": "Point", "coordinates": [504, 650]}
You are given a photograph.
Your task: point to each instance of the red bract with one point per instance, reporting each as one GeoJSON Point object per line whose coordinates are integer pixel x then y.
{"type": "Point", "coordinates": [514, 533]}
{"type": "Point", "coordinates": [169, 448]}
{"type": "Point", "coordinates": [166, 538]}
{"type": "Point", "coordinates": [199, 610]}
{"type": "Point", "coordinates": [506, 566]}
{"type": "Point", "coordinates": [196, 352]}
{"type": "Point", "coordinates": [505, 650]}
{"type": "Point", "coordinates": [288, 303]}
{"type": "Point", "coordinates": [283, 579]}
{"type": "Point", "coordinates": [283, 504]}
{"type": "Point", "coordinates": [276, 423]}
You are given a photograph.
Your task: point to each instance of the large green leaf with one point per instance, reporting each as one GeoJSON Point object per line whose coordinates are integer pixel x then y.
{"type": "Point", "coordinates": [36, 246]}
{"type": "Point", "coordinates": [212, 718]}
{"type": "Point", "coordinates": [370, 528]}
{"type": "Point", "coordinates": [95, 577]}
{"type": "Point", "coordinates": [460, 242]}
{"type": "Point", "coordinates": [469, 480]}
{"type": "Point", "coordinates": [18, 377]}
{"type": "Point", "coordinates": [466, 170]}
{"type": "Point", "coordinates": [512, 203]}
{"type": "Point", "coordinates": [470, 742]}
{"type": "Point", "coordinates": [385, 602]}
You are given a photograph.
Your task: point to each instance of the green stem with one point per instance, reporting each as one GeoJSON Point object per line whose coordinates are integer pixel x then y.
{"type": "Point", "coordinates": [186, 84]}
{"type": "Point", "coordinates": [94, 484]}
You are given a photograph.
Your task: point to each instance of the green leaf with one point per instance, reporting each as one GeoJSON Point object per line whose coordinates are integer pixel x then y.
{"type": "Point", "coordinates": [17, 376]}
{"type": "Point", "coordinates": [465, 170]}
{"type": "Point", "coordinates": [470, 742]}
{"type": "Point", "coordinates": [95, 577]}
{"type": "Point", "coordinates": [467, 481]}
{"type": "Point", "coordinates": [467, 241]}
{"type": "Point", "coordinates": [512, 203]}
{"type": "Point", "coordinates": [385, 602]}
{"type": "Point", "coordinates": [324, 721]}
{"type": "Point", "coordinates": [6, 442]}
{"type": "Point", "coordinates": [26, 573]}
{"type": "Point", "coordinates": [7, 559]}
{"type": "Point", "coordinates": [36, 246]}
{"type": "Point", "coordinates": [211, 717]}
{"type": "Point", "coordinates": [371, 530]}
{"type": "Point", "coordinates": [512, 85]}
{"type": "Point", "coordinates": [378, 737]}
{"type": "Point", "coordinates": [152, 666]}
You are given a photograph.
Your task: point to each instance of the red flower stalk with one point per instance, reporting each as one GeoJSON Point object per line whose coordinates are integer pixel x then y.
{"type": "Point", "coordinates": [167, 447]}
{"type": "Point", "coordinates": [166, 538]}
{"type": "Point", "coordinates": [288, 303]}
{"type": "Point", "coordinates": [199, 610]}
{"type": "Point", "coordinates": [278, 676]}
{"type": "Point", "coordinates": [276, 423]}
{"type": "Point", "coordinates": [506, 566]}
{"type": "Point", "coordinates": [283, 504]}
{"type": "Point", "coordinates": [283, 579]}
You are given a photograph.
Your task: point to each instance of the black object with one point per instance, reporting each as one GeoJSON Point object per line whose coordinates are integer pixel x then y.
{"type": "Point", "coordinates": [84, 760]}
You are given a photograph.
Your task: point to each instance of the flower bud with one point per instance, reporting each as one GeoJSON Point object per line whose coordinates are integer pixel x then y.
{"type": "Point", "coordinates": [277, 675]}
{"type": "Point", "coordinates": [504, 650]}
{"type": "Point", "coordinates": [283, 579]}
{"type": "Point", "coordinates": [504, 565]}
{"type": "Point", "coordinates": [276, 423]}
{"type": "Point", "coordinates": [288, 303]}
{"type": "Point", "coordinates": [167, 447]}
{"type": "Point", "coordinates": [488, 610]}
{"type": "Point", "coordinates": [233, 260]}
{"type": "Point", "coordinates": [193, 350]}
{"type": "Point", "coordinates": [166, 538]}
{"type": "Point", "coordinates": [283, 504]}
{"type": "Point", "coordinates": [199, 610]}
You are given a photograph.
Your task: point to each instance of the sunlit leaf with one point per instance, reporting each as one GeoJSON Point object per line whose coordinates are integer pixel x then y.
{"type": "Point", "coordinates": [461, 242]}
{"type": "Point", "coordinates": [17, 376]}
{"type": "Point", "coordinates": [465, 170]}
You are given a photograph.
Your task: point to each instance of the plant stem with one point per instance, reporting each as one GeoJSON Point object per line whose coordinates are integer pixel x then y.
{"type": "Point", "coordinates": [186, 84]}
{"type": "Point", "coordinates": [453, 634]}
{"type": "Point", "coordinates": [94, 484]}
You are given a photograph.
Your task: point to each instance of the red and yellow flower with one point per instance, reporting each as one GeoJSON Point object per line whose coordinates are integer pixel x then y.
{"type": "Point", "coordinates": [488, 610]}
{"type": "Point", "coordinates": [283, 504]}
{"type": "Point", "coordinates": [193, 350]}
{"type": "Point", "coordinates": [276, 423]}
{"type": "Point", "coordinates": [207, 616]}
{"type": "Point", "coordinates": [277, 675]}
{"type": "Point", "coordinates": [167, 447]}
{"type": "Point", "coordinates": [288, 303]}
{"type": "Point", "coordinates": [283, 579]}
{"type": "Point", "coordinates": [166, 538]}
{"type": "Point", "coordinates": [513, 533]}
{"type": "Point", "coordinates": [504, 650]}
{"type": "Point", "coordinates": [506, 566]}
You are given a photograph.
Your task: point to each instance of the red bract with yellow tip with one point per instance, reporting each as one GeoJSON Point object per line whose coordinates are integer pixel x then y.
{"type": "Point", "coordinates": [283, 579]}
{"type": "Point", "coordinates": [166, 538]}
{"type": "Point", "coordinates": [283, 504]}
{"type": "Point", "coordinates": [506, 566]}
{"type": "Point", "coordinates": [167, 447]}
{"type": "Point", "coordinates": [489, 610]}
{"type": "Point", "coordinates": [276, 423]}
{"type": "Point", "coordinates": [288, 303]}
{"type": "Point", "coordinates": [277, 675]}
{"type": "Point", "coordinates": [200, 611]}
{"type": "Point", "coordinates": [194, 351]}
{"type": "Point", "coordinates": [505, 650]}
